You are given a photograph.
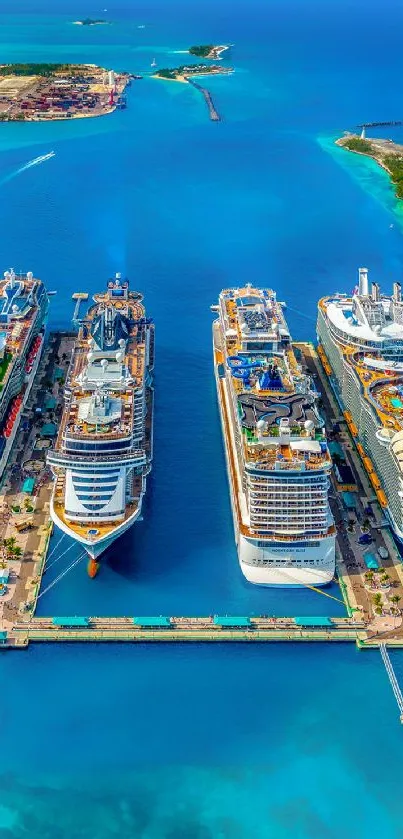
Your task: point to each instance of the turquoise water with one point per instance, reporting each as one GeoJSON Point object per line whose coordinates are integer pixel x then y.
{"type": "Point", "coordinates": [193, 741]}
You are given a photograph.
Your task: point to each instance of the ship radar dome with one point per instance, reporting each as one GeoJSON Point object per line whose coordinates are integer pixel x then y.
{"type": "Point", "coordinates": [119, 357]}
{"type": "Point", "coordinates": [104, 363]}
{"type": "Point", "coordinates": [122, 343]}
{"type": "Point", "coordinates": [261, 425]}
{"type": "Point", "coordinates": [309, 425]}
{"type": "Point", "coordinates": [90, 356]}
{"type": "Point", "coordinates": [14, 309]}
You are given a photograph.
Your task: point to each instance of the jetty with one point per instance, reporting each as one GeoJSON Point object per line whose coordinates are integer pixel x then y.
{"type": "Point", "coordinates": [214, 115]}
{"type": "Point", "coordinates": [379, 124]}
{"type": "Point", "coordinates": [79, 297]}
{"type": "Point", "coordinates": [393, 680]}
{"type": "Point", "coordinates": [189, 629]}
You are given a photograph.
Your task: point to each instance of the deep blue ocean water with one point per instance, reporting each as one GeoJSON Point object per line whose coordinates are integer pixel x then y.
{"type": "Point", "coordinates": [191, 741]}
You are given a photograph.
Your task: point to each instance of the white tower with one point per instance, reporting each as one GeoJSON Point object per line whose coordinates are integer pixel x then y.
{"type": "Point", "coordinates": [111, 78]}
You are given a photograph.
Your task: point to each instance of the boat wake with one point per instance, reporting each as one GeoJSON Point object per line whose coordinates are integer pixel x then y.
{"type": "Point", "coordinates": [35, 162]}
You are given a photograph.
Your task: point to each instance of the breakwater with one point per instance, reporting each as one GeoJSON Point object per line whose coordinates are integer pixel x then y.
{"type": "Point", "coordinates": [214, 115]}
{"type": "Point", "coordinates": [380, 124]}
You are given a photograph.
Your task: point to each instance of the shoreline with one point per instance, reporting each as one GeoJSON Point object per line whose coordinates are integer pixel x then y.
{"type": "Point", "coordinates": [375, 156]}
{"type": "Point", "coordinates": [185, 79]}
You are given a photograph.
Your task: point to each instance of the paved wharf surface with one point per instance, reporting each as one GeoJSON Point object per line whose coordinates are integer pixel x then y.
{"type": "Point", "coordinates": [358, 591]}
{"type": "Point", "coordinates": [28, 460]}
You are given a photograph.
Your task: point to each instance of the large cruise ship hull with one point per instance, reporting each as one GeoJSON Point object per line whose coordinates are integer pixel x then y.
{"type": "Point", "coordinates": [285, 566]}
{"type": "Point", "coordinates": [95, 549]}
{"type": "Point", "coordinates": [281, 565]}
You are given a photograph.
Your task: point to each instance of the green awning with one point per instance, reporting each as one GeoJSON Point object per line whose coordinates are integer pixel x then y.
{"type": "Point", "coordinates": [156, 621]}
{"type": "Point", "coordinates": [313, 621]}
{"type": "Point", "coordinates": [49, 430]}
{"type": "Point", "coordinates": [28, 485]}
{"type": "Point", "coordinates": [72, 621]}
{"type": "Point", "coordinates": [3, 636]}
{"type": "Point", "coordinates": [50, 403]}
{"type": "Point", "coordinates": [230, 621]}
{"type": "Point", "coordinates": [58, 374]}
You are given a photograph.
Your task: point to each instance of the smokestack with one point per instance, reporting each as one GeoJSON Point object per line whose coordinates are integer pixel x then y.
{"type": "Point", "coordinates": [363, 282]}
{"type": "Point", "coordinates": [397, 293]}
{"type": "Point", "coordinates": [375, 293]}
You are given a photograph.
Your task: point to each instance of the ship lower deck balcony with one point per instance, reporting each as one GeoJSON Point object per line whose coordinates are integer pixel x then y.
{"type": "Point", "coordinates": [103, 528]}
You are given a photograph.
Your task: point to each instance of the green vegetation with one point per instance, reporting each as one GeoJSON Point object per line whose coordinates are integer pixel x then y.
{"type": "Point", "coordinates": [393, 163]}
{"type": "Point", "coordinates": [357, 144]}
{"type": "Point", "coordinates": [5, 361]}
{"type": "Point", "coordinates": [183, 70]}
{"type": "Point", "coordinates": [88, 21]}
{"type": "Point", "coordinates": [45, 70]}
{"type": "Point", "coordinates": [202, 51]}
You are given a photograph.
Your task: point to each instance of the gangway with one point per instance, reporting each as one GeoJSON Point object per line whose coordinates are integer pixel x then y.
{"type": "Point", "coordinates": [392, 678]}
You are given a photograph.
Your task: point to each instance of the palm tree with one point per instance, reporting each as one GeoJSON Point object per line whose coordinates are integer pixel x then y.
{"type": "Point", "coordinates": [396, 598]}
{"type": "Point", "coordinates": [377, 599]}
{"type": "Point", "coordinates": [17, 552]}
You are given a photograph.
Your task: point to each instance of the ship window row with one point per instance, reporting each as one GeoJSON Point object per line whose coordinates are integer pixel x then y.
{"type": "Point", "coordinates": [111, 445]}
{"type": "Point", "coordinates": [94, 514]}
{"type": "Point", "coordinates": [290, 546]}
{"type": "Point", "coordinates": [101, 498]}
{"type": "Point", "coordinates": [106, 477]}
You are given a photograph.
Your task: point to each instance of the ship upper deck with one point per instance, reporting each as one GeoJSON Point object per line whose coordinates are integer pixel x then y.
{"type": "Point", "coordinates": [19, 304]}
{"type": "Point", "coordinates": [107, 369]}
{"type": "Point", "coordinates": [368, 328]}
{"type": "Point", "coordinates": [276, 399]}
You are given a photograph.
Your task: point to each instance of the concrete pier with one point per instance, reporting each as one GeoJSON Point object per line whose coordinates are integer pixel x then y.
{"type": "Point", "coordinates": [192, 629]}
{"type": "Point", "coordinates": [214, 115]}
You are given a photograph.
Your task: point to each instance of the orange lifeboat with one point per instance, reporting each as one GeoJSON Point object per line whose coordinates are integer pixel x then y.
{"type": "Point", "coordinates": [92, 568]}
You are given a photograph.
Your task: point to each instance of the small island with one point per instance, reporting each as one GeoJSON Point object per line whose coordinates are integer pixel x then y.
{"type": "Point", "coordinates": [35, 92]}
{"type": "Point", "coordinates": [186, 71]}
{"type": "Point", "coordinates": [88, 21]}
{"type": "Point", "coordinates": [387, 154]}
{"type": "Point", "coordinates": [208, 51]}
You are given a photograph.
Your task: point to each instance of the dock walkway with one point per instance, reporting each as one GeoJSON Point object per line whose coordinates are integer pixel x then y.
{"type": "Point", "coordinates": [196, 629]}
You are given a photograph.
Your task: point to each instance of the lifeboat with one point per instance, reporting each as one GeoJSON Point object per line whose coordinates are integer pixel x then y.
{"type": "Point", "coordinates": [92, 568]}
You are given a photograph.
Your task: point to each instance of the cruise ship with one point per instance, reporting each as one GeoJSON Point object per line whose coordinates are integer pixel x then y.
{"type": "Point", "coordinates": [103, 451]}
{"type": "Point", "coordinates": [277, 456]}
{"type": "Point", "coordinates": [361, 345]}
{"type": "Point", "coordinates": [23, 315]}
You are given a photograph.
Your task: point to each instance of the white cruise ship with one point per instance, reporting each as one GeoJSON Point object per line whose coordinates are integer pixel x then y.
{"type": "Point", "coordinates": [277, 456]}
{"type": "Point", "coordinates": [103, 451]}
{"type": "Point", "coordinates": [23, 315]}
{"type": "Point", "coordinates": [361, 346]}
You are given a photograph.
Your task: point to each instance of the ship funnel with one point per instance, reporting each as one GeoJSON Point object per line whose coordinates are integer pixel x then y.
{"type": "Point", "coordinates": [375, 293]}
{"type": "Point", "coordinates": [397, 293]}
{"type": "Point", "coordinates": [363, 282]}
